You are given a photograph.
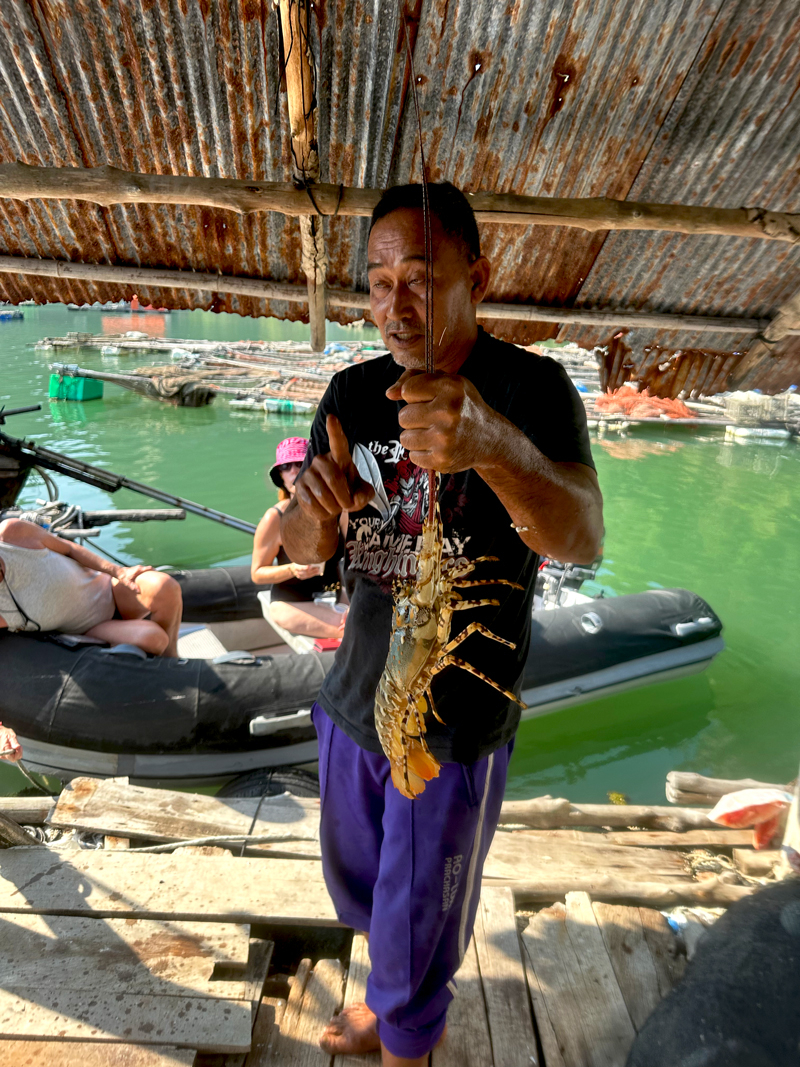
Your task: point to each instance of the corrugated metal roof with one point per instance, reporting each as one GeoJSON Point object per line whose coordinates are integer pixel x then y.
{"type": "Point", "coordinates": [691, 101]}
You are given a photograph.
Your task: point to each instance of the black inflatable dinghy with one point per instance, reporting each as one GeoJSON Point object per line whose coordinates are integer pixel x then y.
{"type": "Point", "coordinates": [89, 710]}
{"type": "Point", "coordinates": [219, 594]}
{"type": "Point", "coordinates": [115, 711]}
{"type": "Point", "coordinates": [604, 646]}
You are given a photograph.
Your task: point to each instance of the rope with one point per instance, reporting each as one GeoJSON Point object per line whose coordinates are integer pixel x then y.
{"type": "Point", "coordinates": [303, 184]}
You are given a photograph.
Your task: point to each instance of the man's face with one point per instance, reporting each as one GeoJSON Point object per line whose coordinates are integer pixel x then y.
{"type": "Point", "coordinates": [396, 270]}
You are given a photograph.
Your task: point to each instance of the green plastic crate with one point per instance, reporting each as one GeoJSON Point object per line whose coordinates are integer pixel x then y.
{"type": "Point", "coordinates": [68, 388]}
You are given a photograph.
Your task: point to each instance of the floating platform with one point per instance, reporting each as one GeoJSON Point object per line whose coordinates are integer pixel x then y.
{"type": "Point", "coordinates": [263, 376]}
{"type": "Point", "coordinates": [159, 944]}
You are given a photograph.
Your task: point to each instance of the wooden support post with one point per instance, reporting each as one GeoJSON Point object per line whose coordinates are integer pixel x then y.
{"type": "Point", "coordinates": [762, 348]}
{"type": "Point", "coordinates": [302, 118]}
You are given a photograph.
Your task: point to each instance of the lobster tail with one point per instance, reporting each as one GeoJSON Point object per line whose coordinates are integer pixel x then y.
{"type": "Point", "coordinates": [419, 766]}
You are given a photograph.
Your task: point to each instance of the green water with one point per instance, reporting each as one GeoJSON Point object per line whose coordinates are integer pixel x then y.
{"type": "Point", "coordinates": [681, 510]}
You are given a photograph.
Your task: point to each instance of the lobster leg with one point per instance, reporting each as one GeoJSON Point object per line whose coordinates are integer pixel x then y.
{"type": "Point", "coordinates": [460, 605]}
{"type": "Point", "coordinates": [465, 583]}
{"type": "Point", "coordinates": [436, 714]}
{"type": "Point", "coordinates": [454, 661]}
{"type": "Point", "coordinates": [475, 628]}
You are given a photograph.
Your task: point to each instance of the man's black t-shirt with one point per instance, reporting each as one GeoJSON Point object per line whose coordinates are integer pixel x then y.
{"type": "Point", "coordinates": [382, 540]}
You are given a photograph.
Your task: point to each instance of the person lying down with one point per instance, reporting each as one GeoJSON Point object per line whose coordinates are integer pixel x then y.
{"type": "Point", "coordinates": [50, 584]}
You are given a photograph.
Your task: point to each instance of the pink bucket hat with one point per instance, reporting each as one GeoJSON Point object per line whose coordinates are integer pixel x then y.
{"type": "Point", "coordinates": [292, 450]}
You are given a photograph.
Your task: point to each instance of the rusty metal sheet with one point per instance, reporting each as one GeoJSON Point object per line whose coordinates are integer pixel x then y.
{"type": "Point", "coordinates": [729, 139]}
{"type": "Point", "coordinates": [691, 372]}
{"type": "Point", "coordinates": [667, 100]}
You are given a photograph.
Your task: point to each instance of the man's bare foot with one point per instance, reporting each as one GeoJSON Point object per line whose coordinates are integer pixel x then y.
{"type": "Point", "coordinates": [351, 1032]}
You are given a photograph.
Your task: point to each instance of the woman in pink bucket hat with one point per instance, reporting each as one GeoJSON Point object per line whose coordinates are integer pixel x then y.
{"type": "Point", "coordinates": [292, 603]}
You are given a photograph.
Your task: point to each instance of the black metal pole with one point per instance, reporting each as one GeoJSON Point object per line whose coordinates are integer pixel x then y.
{"type": "Point", "coordinates": [112, 482]}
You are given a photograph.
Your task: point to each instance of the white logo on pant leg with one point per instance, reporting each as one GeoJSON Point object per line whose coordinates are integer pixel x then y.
{"type": "Point", "coordinates": [452, 875]}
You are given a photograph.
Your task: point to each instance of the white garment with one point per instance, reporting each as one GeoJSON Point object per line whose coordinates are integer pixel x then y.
{"type": "Point", "coordinates": [53, 591]}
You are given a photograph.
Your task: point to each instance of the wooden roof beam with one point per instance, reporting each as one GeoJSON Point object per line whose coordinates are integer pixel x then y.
{"type": "Point", "coordinates": [108, 185]}
{"type": "Point", "coordinates": [300, 84]}
{"type": "Point", "coordinates": [762, 350]}
{"type": "Point", "coordinates": [264, 289]}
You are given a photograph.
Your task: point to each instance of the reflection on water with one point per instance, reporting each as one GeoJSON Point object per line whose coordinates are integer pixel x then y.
{"type": "Point", "coordinates": [151, 324]}
{"type": "Point", "coordinates": [626, 743]}
{"type": "Point", "coordinates": [753, 454]}
{"type": "Point", "coordinates": [633, 448]}
{"type": "Point", "coordinates": [681, 510]}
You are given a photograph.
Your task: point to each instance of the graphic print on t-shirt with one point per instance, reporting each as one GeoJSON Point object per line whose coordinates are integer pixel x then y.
{"type": "Point", "coordinates": [386, 547]}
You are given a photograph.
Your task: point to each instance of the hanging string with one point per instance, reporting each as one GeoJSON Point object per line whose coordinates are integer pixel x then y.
{"type": "Point", "coordinates": [430, 358]}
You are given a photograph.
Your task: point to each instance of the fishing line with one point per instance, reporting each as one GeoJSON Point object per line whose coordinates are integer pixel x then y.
{"type": "Point", "coordinates": [111, 556]}
{"type": "Point", "coordinates": [430, 359]}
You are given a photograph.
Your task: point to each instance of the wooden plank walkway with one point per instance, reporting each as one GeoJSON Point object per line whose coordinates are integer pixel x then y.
{"type": "Point", "coordinates": [113, 806]}
{"type": "Point", "coordinates": [595, 972]}
{"type": "Point", "coordinates": [582, 976]}
{"type": "Point", "coordinates": [119, 958]}
{"type": "Point", "coordinates": [182, 886]}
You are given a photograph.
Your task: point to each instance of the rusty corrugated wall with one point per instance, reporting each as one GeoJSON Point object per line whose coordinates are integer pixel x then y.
{"type": "Point", "coordinates": [690, 101]}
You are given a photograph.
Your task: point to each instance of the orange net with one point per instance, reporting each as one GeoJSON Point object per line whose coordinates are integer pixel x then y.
{"type": "Point", "coordinates": [641, 405]}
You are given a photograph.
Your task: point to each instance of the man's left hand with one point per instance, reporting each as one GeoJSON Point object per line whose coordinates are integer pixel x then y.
{"type": "Point", "coordinates": [446, 424]}
{"type": "Point", "coordinates": [127, 575]}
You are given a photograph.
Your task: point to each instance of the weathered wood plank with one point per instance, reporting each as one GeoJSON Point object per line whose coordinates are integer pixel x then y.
{"type": "Point", "coordinates": [467, 1042]}
{"type": "Point", "coordinates": [514, 855]}
{"type": "Point", "coordinates": [314, 997]}
{"type": "Point", "coordinates": [616, 890]}
{"type": "Point", "coordinates": [11, 833]}
{"type": "Point", "coordinates": [116, 844]}
{"type": "Point", "coordinates": [503, 980]}
{"type": "Point", "coordinates": [31, 810]}
{"type": "Point", "coordinates": [579, 1008]}
{"type": "Point", "coordinates": [182, 887]}
{"type": "Point", "coordinates": [551, 1046]}
{"type": "Point", "coordinates": [649, 838]}
{"type": "Point", "coordinates": [321, 998]}
{"type": "Point", "coordinates": [683, 786]}
{"type": "Point", "coordinates": [113, 806]}
{"type": "Point", "coordinates": [668, 962]}
{"type": "Point", "coordinates": [355, 992]}
{"type": "Point", "coordinates": [755, 863]}
{"type": "Point", "coordinates": [790, 851]}
{"type": "Point", "coordinates": [554, 980]}
{"type": "Point", "coordinates": [687, 839]}
{"type": "Point", "coordinates": [630, 957]}
{"type": "Point", "coordinates": [551, 813]}
{"type": "Point", "coordinates": [257, 969]}
{"type": "Point", "coordinates": [54, 1014]}
{"type": "Point", "coordinates": [88, 1054]}
{"type": "Point", "coordinates": [606, 1017]}
{"type": "Point", "coordinates": [125, 955]}
{"type": "Point", "coordinates": [265, 1031]}
{"type": "Point", "coordinates": [291, 1013]}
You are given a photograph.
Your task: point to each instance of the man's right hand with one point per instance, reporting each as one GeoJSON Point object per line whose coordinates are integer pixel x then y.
{"type": "Point", "coordinates": [332, 484]}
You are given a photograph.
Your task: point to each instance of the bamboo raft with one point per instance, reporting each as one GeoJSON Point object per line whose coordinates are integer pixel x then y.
{"type": "Point", "coordinates": [287, 371]}
{"type": "Point", "coordinates": [198, 931]}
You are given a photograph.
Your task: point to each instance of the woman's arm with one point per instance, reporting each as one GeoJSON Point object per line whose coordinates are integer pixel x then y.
{"type": "Point", "coordinates": [266, 543]}
{"type": "Point", "coordinates": [28, 535]}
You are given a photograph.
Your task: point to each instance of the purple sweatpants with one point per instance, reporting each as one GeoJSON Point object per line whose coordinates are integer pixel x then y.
{"type": "Point", "coordinates": [409, 873]}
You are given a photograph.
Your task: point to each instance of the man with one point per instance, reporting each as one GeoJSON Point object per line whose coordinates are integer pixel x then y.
{"type": "Point", "coordinates": [508, 432]}
{"type": "Point", "coordinates": [48, 583]}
